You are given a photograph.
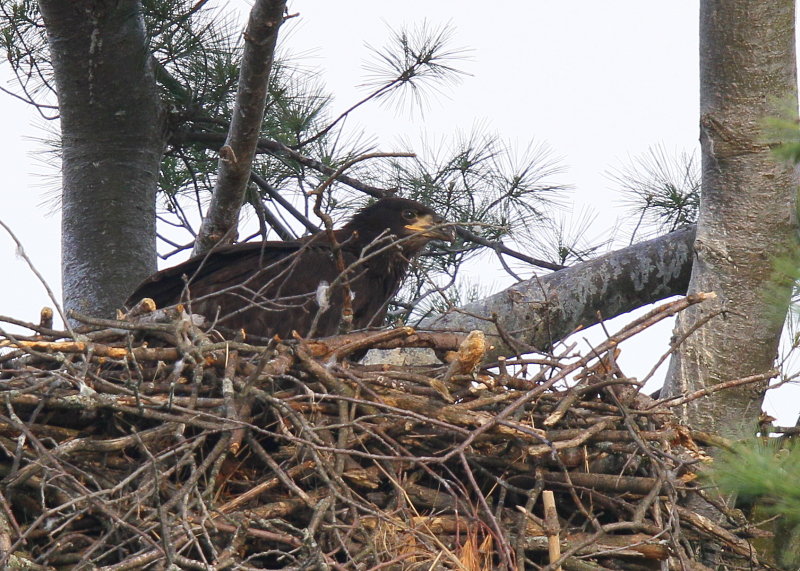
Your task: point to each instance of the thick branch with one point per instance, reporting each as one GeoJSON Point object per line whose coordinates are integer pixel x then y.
{"type": "Point", "coordinates": [236, 156]}
{"type": "Point", "coordinates": [542, 310]}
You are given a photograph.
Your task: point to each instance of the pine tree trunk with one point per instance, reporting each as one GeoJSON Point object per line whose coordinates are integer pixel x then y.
{"type": "Point", "coordinates": [112, 146]}
{"type": "Point", "coordinates": [747, 210]}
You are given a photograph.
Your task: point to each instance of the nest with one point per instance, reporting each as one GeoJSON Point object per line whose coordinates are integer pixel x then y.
{"type": "Point", "coordinates": [145, 443]}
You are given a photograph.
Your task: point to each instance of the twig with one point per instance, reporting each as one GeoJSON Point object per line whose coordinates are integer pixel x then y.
{"type": "Point", "coordinates": [551, 527]}
{"type": "Point", "coordinates": [683, 399]}
{"type": "Point", "coordinates": [50, 294]}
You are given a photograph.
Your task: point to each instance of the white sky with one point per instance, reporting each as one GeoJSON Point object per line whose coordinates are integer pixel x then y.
{"type": "Point", "coordinates": [599, 82]}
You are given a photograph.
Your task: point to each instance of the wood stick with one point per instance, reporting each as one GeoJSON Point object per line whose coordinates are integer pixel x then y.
{"type": "Point", "coordinates": [551, 527]}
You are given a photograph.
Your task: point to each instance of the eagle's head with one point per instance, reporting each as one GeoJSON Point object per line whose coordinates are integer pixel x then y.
{"type": "Point", "coordinates": [413, 223]}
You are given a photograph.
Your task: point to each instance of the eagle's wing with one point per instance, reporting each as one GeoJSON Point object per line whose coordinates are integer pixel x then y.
{"type": "Point", "coordinates": [269, 288]}
{"type": "Point", "coordinates": [229, 264]}
{"type": "Point", "coordinates": [278, 287]}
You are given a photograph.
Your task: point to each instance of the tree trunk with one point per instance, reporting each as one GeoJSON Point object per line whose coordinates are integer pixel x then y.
{"type": "Point", "coordinates": [747, 211]}
{"type": "Point", "coordinates": [545, 309]}
{"type": "Point", "coordinates": [111, 149]}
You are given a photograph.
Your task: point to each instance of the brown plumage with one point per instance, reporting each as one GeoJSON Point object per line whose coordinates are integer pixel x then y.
{"type": "Point", "coordinates": [269, 288]}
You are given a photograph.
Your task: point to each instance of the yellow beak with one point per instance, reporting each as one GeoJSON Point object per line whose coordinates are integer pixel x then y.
{"type": "Point", "coordinates": [432, 227]}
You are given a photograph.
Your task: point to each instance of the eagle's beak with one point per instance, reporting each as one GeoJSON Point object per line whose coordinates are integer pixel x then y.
{"type": "Point", "coordinates": [432, 227]}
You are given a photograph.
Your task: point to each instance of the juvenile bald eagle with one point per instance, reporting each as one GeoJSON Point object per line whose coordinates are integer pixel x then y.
{"type": "Point", "coordinates": [269, 288]}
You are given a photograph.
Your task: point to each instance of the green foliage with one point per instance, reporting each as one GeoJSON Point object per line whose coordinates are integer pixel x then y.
{"type": "Point", "coordinates": [413, 65]}
{"type": "Point", "coordinates": [762, 471]}
{"type": "Point", "coordinates": [788, 132]}
{"type": "Point", "coordinates": [500, 192]}
{"type": "Point", "coordinates": [785, 277]}
{"type": "Point", "coordinates": [765, 473]}
{"type": "Point", "coordinates": [567, 238]}
{"type": "Point", "coordinates": [478, 177]}
{"type": "Point", "coordinates": [194, 51]}
{"type": "Point", "coordinates": [782, 132]}
{"type": "Point", "coordinates": [661, 191]}
{"type": "Point", "coordinates": [422, 296]}
{"type": "Point", "coordinates": [25, 44]}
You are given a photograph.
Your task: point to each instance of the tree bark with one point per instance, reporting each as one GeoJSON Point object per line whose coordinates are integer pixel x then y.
{"type": "Point", "coordinates": [747, 211]}
{"type": "Point", "coordinates": [542, 310]}
{"type": "Point", "coordinates": [236, 156]}
{"type": "Point", "coordinates": [111, 149]}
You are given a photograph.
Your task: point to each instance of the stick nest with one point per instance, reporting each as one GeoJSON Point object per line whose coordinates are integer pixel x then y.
{"type": "Point", "coordinates": [145, 443]}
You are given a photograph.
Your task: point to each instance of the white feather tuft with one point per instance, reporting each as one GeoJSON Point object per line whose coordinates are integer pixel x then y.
{"type": "Point", "coordinates": [323, 296]}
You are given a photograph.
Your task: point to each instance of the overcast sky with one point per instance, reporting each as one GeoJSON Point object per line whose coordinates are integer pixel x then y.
{"type": "Point", "coordinates": [598, 82]}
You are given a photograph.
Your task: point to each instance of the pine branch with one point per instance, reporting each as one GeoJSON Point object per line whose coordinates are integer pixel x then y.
{"type": "Point", "coordinates": [288, 206]}
{"type": "Point", "coordinates": [501, 248]}
{"type": "Point", "coordinates": [545, 309]}
{"type": "Point", "coordinates": [236, 156]}
{"type": "Point", "coordinates": [278, 149]}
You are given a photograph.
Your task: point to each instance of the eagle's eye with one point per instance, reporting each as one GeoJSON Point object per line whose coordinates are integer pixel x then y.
{"type": "Point", "coordinates": [409, 214]}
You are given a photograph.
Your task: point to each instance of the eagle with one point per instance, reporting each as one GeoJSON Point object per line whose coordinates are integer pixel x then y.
{"type": "Point", "coordinates": [276, 288]}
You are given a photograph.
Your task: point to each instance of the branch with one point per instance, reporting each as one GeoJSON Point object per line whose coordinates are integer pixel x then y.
{"type": "Point", "coordinates": [705, 391]}
{"type": "Point", "coordinates": [543, 310]}
{"type": "Point", "coordinates": [266, 217]}
{"type": "Point", "coordinates": [236, 156]}
{"type": "Point", "coordinates": [276, 196]}
{"type": "Point", "coordinates": [21, 253]}
{"type": "Point", "coordinates": [501, 248]}
{"type": "Point", "coordinates": [278, 149]}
